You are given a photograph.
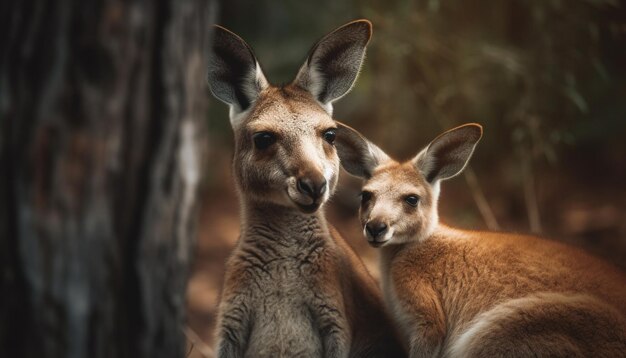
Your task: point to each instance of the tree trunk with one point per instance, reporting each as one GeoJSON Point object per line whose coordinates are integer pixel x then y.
{"type": "Point", "coordinates": [102, 129]}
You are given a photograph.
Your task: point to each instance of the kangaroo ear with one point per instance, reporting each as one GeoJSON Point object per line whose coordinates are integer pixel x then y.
{"type": "Point", "coordinates": [234, 75]}
{"type": "Point", "coordinates": [447, 155]}
{"type": "Point", "coordinates": [358, 156]}
{"type": "Point", "coordinates": [334, 62]}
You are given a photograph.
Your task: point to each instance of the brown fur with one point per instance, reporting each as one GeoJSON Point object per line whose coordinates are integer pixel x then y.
{"type": "Point", "coordinates": [448, 279]}
{"type": "Point", "coordinates": [463, 293]}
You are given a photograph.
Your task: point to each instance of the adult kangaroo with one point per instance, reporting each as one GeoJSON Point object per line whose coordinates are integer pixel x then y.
{"type": "Point", "coordinates": [462, 293]}
{"type": "Point", "coordinates": [293, 286]}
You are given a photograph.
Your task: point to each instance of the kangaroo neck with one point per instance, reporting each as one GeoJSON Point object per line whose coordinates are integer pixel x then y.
{"type": "Point", "coordinates": [284, 224]}
{"type": "Point", "coordinates": [387, 253]}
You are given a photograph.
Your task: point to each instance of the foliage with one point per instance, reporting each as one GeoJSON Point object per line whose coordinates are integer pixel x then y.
{"type": "Point", "coordinates": [544, 77]}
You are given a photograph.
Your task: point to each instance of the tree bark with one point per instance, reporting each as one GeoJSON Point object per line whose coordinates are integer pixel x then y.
{"type": "Point", "coordinates": [102, 130]}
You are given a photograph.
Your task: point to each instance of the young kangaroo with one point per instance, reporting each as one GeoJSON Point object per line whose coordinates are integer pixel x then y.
{"type": "Point", "coordinates": [461, 293]}
{"type": "Point", "coordinates": [293, 287]}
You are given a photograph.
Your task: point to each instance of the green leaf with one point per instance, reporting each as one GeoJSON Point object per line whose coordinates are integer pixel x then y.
{"type": "Point", "coordinates": [577, 99]}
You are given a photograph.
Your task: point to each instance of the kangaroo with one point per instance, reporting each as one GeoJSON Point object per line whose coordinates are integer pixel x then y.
{"type": "Point", "coordinates": [293, 287]}
{"type": "Point", "coordinates": [462, 293]}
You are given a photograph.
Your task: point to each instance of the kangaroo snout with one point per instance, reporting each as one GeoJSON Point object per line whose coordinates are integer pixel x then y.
{"type": "Point", "coordinates": [308, 189]}
{"type": "Point", "coordinates": [376, 228]}
{"type": "Point", "coordinates": [376, 232]}
{"type": "Point", "coordinates": [312, 186]}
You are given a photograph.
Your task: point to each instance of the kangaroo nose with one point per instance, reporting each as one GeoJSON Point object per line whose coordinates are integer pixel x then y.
{"type": "Point", "coordinates": [376, 229]}
{"type": "Point", "coordinates": [312, 188]}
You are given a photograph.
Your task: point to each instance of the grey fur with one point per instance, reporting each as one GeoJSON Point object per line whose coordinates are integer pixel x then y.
{"type": "Point", "coordinates": [293, 288]}
{"type": "Point", "coordinates": [293, 315]}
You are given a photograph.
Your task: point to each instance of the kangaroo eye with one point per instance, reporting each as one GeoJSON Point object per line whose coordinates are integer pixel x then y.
{"type": "Point", "coordinates": [412, 200]}
{"type": "Point", "coordinates": [262, 140]}
{"type": "Point", "coordinates": [330, 135]}
{"type": "Point", "coordinates": [365, 197]}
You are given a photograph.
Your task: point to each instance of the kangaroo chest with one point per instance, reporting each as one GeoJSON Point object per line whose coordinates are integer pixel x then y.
{"type": "Point", "coordinates": [293, 288]}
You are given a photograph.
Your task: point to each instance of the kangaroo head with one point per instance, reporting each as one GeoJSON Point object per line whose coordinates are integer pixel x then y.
{"type": "Point", "coordinates": [284, 135]}
{"type": "Point", "coordinates": [399, 199]}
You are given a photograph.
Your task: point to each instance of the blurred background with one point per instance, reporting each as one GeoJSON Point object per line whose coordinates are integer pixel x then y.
{"type": "Point", "coordinates": [545, 78]}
